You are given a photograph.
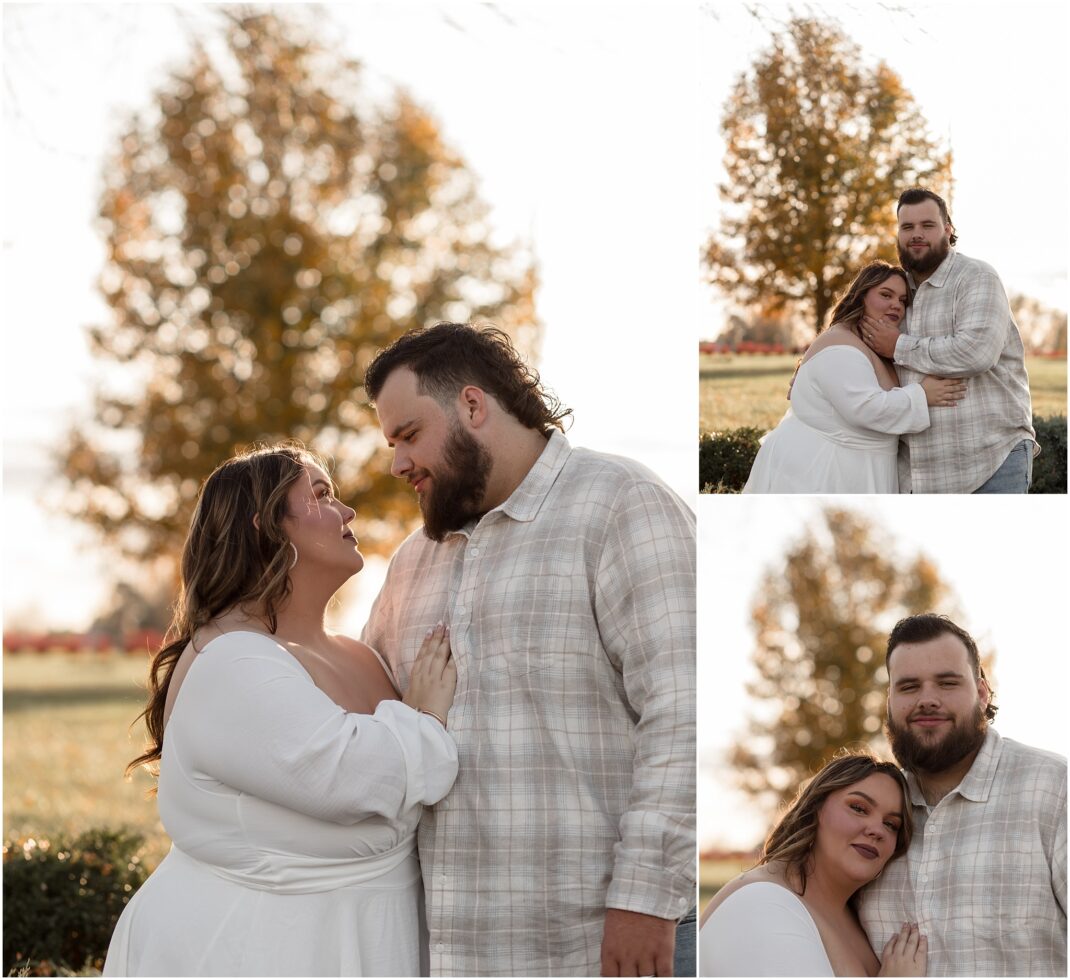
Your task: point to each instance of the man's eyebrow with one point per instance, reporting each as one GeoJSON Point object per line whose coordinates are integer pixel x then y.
{"type": "Point", "coordinates": [872, 802]}
{"type": "Point", "coordinates": [398, 429]}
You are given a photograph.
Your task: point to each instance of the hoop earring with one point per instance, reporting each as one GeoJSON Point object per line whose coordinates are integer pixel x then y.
{"type": "Point", "coordinates": [294, 562]}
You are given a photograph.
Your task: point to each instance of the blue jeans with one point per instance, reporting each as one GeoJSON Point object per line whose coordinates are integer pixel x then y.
{"type": "Point", "coordinates": [1014, 474]}
{"type": "Point", "coordinates": [683, 958]}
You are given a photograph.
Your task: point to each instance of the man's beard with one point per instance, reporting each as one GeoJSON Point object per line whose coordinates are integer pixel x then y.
{"type": "Point", "coordinates": [458, 485]}
{"type": "Point", "coordinates": [917, 756]}
{"type": "Point", "coordinates": [927, 261]}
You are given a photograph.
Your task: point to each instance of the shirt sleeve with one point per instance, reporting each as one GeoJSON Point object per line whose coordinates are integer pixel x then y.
{"type": "Point", "coordinates": [981, 323]}
{"type": "Point", "coordinates": [757, 932]}
{"type": "Point", "coordinates": [1058, 858]}
{"type": "Point", "coordinates": [256, 722]}
{"type": "Point", "coordinates": [645, 611]}
{"type": "Point", "coordinates": [846, 378]}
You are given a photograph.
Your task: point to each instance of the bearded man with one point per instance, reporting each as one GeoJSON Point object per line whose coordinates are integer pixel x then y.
{"type": "Point", "coordinates": [567, 577]}
{"type": "Point", "coordinates": [985, 876]}
{"type": "Point", "coordinates": [959, 325]}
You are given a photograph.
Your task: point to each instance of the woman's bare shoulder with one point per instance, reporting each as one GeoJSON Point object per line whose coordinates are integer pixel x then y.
{"type": "Point", "coordinates": [838, 335]}
{"type": "Point", "coordinates": [763, 874]}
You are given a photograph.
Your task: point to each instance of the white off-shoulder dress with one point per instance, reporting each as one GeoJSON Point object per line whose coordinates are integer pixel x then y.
{"type": "Point", "coordinates": [292, 823]}
{"type": "Point", "coordinates": [762, 930]}
{"type": "Point", "coordinates": [841, 433]}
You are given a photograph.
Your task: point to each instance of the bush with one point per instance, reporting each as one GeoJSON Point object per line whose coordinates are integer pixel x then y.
{"type": "Point", "coordinates": [62, 899]}
{"type": "Point", "coordinates": [725, 459]}
{"type": "Point", "coordinates": [1049, 468]}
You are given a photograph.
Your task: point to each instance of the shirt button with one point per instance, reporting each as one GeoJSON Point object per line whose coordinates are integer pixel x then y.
{"type": "Point", "coordinates": [442, 879]}
{"type": "Point", "coordinates": [924, 878]}
{"type": "Point", "coordinates": [461, 611]}
{"type": "Point", "coordinates": [474, 552]}
{"type": "Point", "coordinates": [439, 947]}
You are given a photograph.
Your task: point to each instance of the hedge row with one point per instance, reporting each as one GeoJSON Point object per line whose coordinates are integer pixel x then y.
{"type": "Point", "coordinates": [62, 899]}
{"type": "Point", "coordinates": [725, 458]}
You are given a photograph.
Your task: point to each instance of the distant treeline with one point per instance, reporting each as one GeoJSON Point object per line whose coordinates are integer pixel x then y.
{"type": "Point", "coordinates": [134, 642]}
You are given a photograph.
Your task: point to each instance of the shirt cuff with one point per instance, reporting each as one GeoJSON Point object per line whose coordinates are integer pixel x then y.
{"type": "Point", "coordinates": [903, 346]}
{"type": "Point", "coordinates": [652, 892]}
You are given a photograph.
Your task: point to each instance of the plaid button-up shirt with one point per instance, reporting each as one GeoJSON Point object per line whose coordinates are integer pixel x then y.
{"type": "Point", "coordinates": [959, 325]}
{"type": "Point", "coordinates": [985, 876]}
{"type": "Point", "coordinates": [572, 621]}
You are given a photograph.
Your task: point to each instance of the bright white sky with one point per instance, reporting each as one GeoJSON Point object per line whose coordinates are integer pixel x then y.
{"type": "Point", "coordinates": [1008, 570]}
{"type": "Point", "coordinates": [578, 119]}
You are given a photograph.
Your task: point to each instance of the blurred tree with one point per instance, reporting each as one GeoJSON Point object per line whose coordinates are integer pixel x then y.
{"type": "Point", "coordinates": [1043, 327]}
{"type": "Point", "coordinates": [268, 229]}
{"type": "Point", "coordinates": [821, 623]}
{"type": "Point", "coordinates": [132, 607]}
{"type": "Point", "coordinates": [767, 322]}
{"type": "Point", "coordinates": [819, 146]}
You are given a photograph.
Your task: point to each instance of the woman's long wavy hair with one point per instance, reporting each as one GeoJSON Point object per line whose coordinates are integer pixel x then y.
{"type": "Point", "coordinates": [849, 306]}
{"type": "Point", "coordinates": [793, 838]}
{"type": "Point", "coordinates": [228, 561]}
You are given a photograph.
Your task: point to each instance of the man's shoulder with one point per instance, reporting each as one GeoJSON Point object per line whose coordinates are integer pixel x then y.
{"type": "Point", "coordinates": [1021, 755]}
{"type": "Point", "coordinates": [589, 464]}
{"type": "Point", "coordinates": [966, 267]}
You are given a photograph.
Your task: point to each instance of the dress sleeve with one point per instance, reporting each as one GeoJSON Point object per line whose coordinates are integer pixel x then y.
{"type": "Point", "coordinates": [253, 719]}
{"type": "Point", "coordinates": [762, 931]}
{"type": "Point", "coordinates": [846, 378]}
{"type": "Point", "coordinates": [645, 610]}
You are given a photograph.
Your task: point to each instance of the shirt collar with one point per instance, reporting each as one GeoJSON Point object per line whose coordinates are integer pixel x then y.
{"type": "Point", "coordinates": [939, 276]}
{"type": "Point", "coordinates": [977, 783]}
{"type": "Point", "coordinates": [524, 503]}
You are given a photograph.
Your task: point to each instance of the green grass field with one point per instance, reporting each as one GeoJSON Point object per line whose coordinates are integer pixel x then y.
{"type": "Point", "coordinates": [67, 739]}
{"type": "Point", "coordinates": [749, 389]}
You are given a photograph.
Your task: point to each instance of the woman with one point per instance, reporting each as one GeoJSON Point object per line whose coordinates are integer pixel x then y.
{"type": "Point", "coordinates": [841, 433]}
{"type": "Point", "coordinates": [291, 779]}
{"type": "Point", "coordinates": [791, 914]}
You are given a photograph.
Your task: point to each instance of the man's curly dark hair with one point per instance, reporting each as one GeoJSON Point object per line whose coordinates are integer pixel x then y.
{"type": "Point", "coordinates": [448, 356]}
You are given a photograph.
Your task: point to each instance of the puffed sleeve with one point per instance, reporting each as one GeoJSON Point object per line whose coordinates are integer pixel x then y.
{"type": "Point", "coordinates": [846, 378]}
{"type": "Point", "coordinates": [252, 718]}
{"type": "Point", "coordinates": [762, 930]}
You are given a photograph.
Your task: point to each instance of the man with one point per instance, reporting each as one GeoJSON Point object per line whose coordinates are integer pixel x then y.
{"type": "Point", "coordinates": [985, 876]}
{"type": "Point", "coordinates": [567, 577]}
{"type": "Point", "coordinates": [959, 325]}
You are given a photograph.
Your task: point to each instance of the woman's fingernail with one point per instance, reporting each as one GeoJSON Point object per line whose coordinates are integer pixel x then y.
{"type": "Point", "coordinates": [429, 632]}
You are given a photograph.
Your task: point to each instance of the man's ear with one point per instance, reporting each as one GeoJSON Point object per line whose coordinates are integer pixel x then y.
{"type": "Point", "coordinates": [473, 405]}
